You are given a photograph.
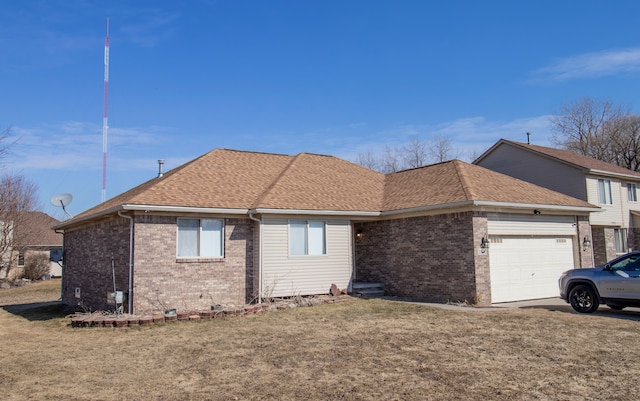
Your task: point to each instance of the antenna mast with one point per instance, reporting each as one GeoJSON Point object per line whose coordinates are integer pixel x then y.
{"type": "Point", "coordinates": [105, 125]}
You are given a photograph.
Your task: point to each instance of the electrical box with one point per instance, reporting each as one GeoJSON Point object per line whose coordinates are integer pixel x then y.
{"type": "Point", "coordinates": [115, 297]}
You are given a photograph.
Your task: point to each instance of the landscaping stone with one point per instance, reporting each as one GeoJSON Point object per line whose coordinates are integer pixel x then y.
{"type": "Point", "coordinates": [99, 319]}
{"type": "Point", "coordinates": [335, 291]}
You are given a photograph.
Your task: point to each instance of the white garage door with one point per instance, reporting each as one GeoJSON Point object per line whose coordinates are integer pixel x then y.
{"type": "Point", "coordinates": [528, 267]}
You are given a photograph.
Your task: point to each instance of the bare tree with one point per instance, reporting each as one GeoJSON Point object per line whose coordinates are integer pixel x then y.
{"type": "Point", "coordinates": [441, 149]}
{"type": "Point", "coordinates": [625, 143]}
{"type": "Point", "coordinates": [18, 196]}
{"type": "Point", "coordinates": [369, 160]}
{"type": "Point", "coordinates": [391, 160]}
{"type": "Point", "coordinates": [601, 130]}
{"type": "Point", "coordinates": [587, 126]}
{"type": "Point", "coordinates": [414, 153]}
{"type": "Point", "coordinates": [4, 142]}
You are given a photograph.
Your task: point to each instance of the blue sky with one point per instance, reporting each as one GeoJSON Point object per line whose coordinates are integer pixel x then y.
{"type": "Point", "coordinates": [323, 76]}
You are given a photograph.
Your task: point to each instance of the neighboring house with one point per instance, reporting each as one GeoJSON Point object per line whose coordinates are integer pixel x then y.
{"type": "Point", "coordinates": [33, 237]}
{"type": "Point", "coordinates": [233, 227]}
{"type": "Point", "coordinates": [616, 228]}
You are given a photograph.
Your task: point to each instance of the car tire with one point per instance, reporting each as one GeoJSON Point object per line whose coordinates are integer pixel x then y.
{"type": "Point", "coordinates": [583, 299]}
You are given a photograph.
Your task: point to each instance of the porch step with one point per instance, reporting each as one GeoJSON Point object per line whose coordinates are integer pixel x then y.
{"type": "Point", "coordinates": [369, 290]}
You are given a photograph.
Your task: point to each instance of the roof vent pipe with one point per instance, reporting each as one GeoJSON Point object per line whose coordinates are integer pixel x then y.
{"type": "Point", "coordinates": [528, 138]}
{"type": "Point", "coordinates": [160, 164]}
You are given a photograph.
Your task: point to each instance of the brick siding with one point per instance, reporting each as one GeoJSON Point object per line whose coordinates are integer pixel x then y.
{"type": "Point", "coordinates": [87, 262]}
{"type": "Point", "coordinates": [429, 258]}
{"type": "Point", "coordinates": [161, 280]}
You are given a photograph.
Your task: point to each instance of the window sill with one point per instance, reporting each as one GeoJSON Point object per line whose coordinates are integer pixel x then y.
{"type": "Point", "coordinates": [199, 260]}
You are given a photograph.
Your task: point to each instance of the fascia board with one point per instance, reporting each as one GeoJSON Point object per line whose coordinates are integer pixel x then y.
{"type": "Point", "coordinates": [315, 212]}
{"type": "Point", "coordinates": [613, 174]}
{"type": "Point", "coordinates": [490, 204]}
{"type": "Point", "coordinates": [184, 209]}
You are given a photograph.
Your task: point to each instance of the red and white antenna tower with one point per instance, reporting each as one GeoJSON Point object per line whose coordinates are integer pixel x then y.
{"type": "Point", "coordinates": [105, 118]}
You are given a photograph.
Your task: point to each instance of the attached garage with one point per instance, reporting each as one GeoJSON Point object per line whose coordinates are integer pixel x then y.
{"type": "Point", "coordinates": [527, 254]}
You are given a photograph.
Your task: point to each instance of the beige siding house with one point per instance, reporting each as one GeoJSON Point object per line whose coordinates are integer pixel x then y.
{"type": "Point", "coordinates": [234, 227]}
{"type": "Point", "coordinates": [32, 239]}
{"type": "Point", "coordinates": [615, 228]}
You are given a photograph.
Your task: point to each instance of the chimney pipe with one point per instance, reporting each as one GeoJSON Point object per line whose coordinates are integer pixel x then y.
{"type": "Point", "coordinates": [160, 164]}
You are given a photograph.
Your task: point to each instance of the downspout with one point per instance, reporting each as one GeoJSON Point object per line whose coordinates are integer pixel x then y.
{"type": "Point", "coordinates": [129, 297]}
{"type": "Point", "coordinates": [259, 256]}
{"type": "Point", "coordinates": [62, 280]}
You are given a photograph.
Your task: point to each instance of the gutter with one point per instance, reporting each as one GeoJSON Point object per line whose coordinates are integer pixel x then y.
{"type": "Point", "coordinates": [491, 204]}
{"type": "Point", "coordinates": [129, 297]}
{"type": "Point", "coordinates": [149, 208]}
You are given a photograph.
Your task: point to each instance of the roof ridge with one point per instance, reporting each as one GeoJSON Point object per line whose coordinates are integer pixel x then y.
{"type": "Point", "coordinates": [276, 180]}
{"type": "Point", "coordinates": [465, 181]}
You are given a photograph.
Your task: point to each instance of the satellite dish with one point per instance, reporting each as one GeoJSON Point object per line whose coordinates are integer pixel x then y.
{"type": "Point", "coordinates": [62, 200]}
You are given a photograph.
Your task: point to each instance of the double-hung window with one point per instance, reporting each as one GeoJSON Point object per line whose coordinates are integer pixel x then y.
{"type": "Point", "coordinates": [307, 237]}
{"type": "Point", "coordinates": [632, 194]}
{"type": "Point", "coordinates": [620, 235]}
{"type": "Point", "coordinates": [201, 238]}
{"type": "Point", "coordinates": [604, 192]}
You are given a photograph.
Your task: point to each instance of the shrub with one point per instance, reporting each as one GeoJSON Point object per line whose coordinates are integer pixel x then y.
{"type": "Point", "coordinates": [36, 266]}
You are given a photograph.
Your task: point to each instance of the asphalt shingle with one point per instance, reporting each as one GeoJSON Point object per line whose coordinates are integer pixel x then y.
{"type": "Point", "coordinates": [231, 179]}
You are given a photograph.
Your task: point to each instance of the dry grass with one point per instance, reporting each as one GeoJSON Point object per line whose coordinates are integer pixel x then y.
{"type": "Point", "coordinates": [356, 350]}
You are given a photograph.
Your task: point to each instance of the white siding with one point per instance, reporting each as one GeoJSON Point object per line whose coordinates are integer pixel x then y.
{"type": "Point", "coordinates": [628, 206]}
{"type": "Point", "coordinates": [522, 224]}
{"type": "Point", "coordinates": [285, 275]}
{"type": "Point", "coordinates": [610, 215]}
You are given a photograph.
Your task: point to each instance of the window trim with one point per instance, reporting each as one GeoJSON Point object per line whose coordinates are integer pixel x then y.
{"type": "Point", "coordinates": [632, 192]}
{"type": "Point", "coordinates": [307, 237]}
{"type": "Point", "coordinates": [199, 256]}
{"type": "Point", "coordinates": [604, 185]}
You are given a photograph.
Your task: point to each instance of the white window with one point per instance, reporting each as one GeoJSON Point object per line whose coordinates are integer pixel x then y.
{"type": "Point", "coordinates": [200, 238]}
{"type": "Point", "coordinates": [604, 192]}
{"type": "Point", "coordinates": [632, 195]}
{"type": "Point", "coordinates": [620, 235]}
{"type": "Point", "coordinates": [307, 238]}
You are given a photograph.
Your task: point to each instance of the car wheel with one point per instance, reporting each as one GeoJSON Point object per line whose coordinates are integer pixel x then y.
{"type": "Point", "coordinates": [616, 307]}
{"type": "Point", "coordinates": [583, 299]}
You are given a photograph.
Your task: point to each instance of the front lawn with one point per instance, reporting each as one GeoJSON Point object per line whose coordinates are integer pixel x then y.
{"type": "Point", "coordinates": [355, 350]}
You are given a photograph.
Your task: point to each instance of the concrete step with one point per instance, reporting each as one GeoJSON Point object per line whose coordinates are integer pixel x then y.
{"type": "Point", "coordinates": [362, 285]}
{"type": "Point", "coordinates": [369, 290]}
{"type": "Point", "coordinates": [375, 293]}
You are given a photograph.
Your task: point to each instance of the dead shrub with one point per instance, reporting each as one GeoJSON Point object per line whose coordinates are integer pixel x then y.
{"type": "Point", "coordinates": [36, 267]}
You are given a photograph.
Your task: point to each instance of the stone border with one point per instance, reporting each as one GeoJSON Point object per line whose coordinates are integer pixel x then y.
{"type": "Point", "coordinates": [102, 319]}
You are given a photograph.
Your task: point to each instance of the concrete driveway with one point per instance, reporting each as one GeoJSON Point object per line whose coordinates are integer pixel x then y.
{"type": "Point", "coordinates": [557, 304]}
{"type": "Point", "coordinates": [551, 304]}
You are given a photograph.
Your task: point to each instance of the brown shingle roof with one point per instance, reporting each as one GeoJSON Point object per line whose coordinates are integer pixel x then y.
{"type": "Point", "coordinates": [456, 181]}
{"type": "Point", "coordinates": [576, 159]}
{"type": "Point", "coordinates": [35, 228]}
{"type": "Point", "coordinates": [315, 182]}
{"type": "Point", "coordinates": [230, 179]}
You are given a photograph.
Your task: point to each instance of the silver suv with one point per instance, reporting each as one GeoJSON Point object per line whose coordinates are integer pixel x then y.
{"type": "Point", "coordinates": [616, 284]}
